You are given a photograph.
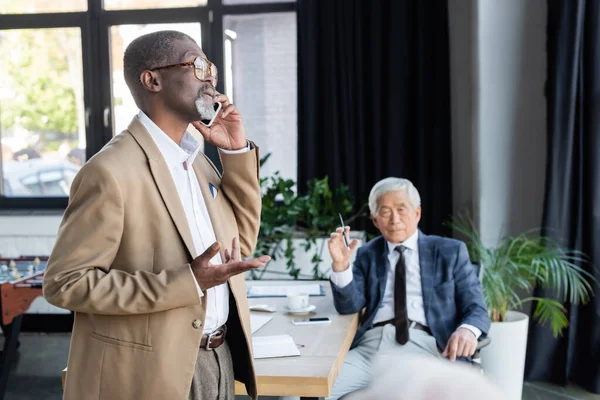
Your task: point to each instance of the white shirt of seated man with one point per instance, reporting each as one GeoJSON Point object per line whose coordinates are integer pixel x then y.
{"type": "Point", "coordinates": [397, 220]}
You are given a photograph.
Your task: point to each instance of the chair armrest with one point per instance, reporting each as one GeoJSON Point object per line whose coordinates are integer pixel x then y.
{"type": "Point", "coordinates": [483, 342]}
{"type": "Point", "coordinates": [476, 358]}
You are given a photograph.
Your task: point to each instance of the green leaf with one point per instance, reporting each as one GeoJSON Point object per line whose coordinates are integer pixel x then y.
{"type": "Point", "coordinates": [313, 214]}
{"type": "Point", "coordinates": [522, 262]}
{"type": "Point", "coordinates": [550, 312]}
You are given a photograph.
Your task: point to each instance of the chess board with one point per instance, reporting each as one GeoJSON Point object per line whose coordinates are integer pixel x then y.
{"type": "Point", "coordinates": [20, 269]}
{"type": "Point", "coordinates": [20, 283]}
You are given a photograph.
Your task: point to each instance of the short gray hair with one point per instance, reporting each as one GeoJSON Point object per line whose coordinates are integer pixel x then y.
{"type": "Point", "coordinates": [392, 185]}
{"type": "Point", "coordinates": [148, 51]}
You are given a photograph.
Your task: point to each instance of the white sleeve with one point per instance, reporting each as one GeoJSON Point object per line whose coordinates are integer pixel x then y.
{"type": "Point", "coordinates": [200, 294]}
{"type": "Point", "coordinates": [245, 149]}
{"type": "Point", "coordinates": [342, 279]}
{"type": "Point", "coordinates": [473, 329]}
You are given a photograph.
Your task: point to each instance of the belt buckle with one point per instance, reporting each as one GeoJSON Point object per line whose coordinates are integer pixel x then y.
{"type": "Point", "coordinates": [209, 339]}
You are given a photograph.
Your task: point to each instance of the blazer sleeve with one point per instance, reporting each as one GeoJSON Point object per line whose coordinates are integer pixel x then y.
{"type": "Point", "coordinates": [240, 184]}
{"type": "Point", "coordinates": [79, 276]}
{"type": "Point", "coordinates": [351, 298]}
{"type": "Point", "coordinates": [469, 296]}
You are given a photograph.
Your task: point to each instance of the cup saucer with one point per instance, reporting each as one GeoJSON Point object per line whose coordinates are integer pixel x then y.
{"type": "Point", "coordinates": [306, 310]}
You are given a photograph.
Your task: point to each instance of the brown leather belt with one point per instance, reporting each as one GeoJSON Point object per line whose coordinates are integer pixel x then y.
{"type": "Point", "coordinates": [215, 339]}
{"type": "Point", "coordinates": [411, 324]}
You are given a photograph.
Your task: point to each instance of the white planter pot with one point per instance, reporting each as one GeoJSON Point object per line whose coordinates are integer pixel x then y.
{"type": "Point", "coordinates": [503, 361]}
{"type": "Point", "coordinates": [277, 269]}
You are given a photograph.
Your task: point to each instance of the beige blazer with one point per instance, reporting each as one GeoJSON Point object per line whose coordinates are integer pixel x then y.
{"type": "Point", "coordinates": [121, 264]}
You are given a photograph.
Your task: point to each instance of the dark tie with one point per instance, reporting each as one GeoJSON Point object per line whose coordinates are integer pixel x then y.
{"type": "Point", "coordinates": [400, 313]}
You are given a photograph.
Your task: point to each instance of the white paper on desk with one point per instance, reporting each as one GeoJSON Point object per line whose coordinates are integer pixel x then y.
{"type": "Point", "coordinates": [274, 346]}
{"type": "Point", "coordinates": [313, 289]}
{"type": "Point", "coordinates": [258, 321]}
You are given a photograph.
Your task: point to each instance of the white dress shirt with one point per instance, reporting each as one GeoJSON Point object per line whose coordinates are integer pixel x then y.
{"type": "Point", "coordinates": [188, 189]}
{"type": "Point", "coordinates": [414, 292]}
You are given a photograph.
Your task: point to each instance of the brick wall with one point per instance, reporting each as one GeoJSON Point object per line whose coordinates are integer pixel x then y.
{"type": "Point", "coordinates": [264, 67]}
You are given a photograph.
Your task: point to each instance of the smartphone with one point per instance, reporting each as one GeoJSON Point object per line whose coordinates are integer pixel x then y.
{"type": "Point", "coordinates": [217, 106]}
{"type": "Point", "coordinates": [311, 321]}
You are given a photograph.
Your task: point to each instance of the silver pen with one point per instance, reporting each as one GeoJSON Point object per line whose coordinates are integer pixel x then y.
{"type": "Point", "coordinates": [344, 234]}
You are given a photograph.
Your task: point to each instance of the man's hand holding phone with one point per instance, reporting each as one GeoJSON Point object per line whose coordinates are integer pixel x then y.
{"type": "Point", "coordinates": [227, 130]}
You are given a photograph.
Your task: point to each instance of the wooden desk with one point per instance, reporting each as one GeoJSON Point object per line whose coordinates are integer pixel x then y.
{"type": "Point", "coordinates": [321, 357]}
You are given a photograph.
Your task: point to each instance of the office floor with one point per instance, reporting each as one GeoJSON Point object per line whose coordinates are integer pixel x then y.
{"type": "Point", "coordinates": [37, 373]}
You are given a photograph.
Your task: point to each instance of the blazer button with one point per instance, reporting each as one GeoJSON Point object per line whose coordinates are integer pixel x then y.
{"type": "Point", "coordinates": [197, 323]}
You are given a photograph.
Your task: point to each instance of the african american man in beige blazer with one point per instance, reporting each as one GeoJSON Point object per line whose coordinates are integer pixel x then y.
{"type": "Point", "coordinates": [148, 255]}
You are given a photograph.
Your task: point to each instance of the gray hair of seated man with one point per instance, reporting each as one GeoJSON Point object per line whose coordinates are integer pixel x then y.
{"type": "Point", "coordinates": [393, 184]}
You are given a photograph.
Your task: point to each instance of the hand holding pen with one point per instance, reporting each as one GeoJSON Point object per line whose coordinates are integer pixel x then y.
{"type": "Point", "coordinates": [340, 248]}
{"type": "Point", "coordinates": [344, 231]}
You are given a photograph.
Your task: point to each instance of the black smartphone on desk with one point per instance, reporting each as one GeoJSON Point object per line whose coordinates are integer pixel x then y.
{"type": "Point", "coordinates": [311, 321]}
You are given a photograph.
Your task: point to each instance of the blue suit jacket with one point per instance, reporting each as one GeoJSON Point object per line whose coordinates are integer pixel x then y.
{"type": "Point", "coordinates": [451, 290]}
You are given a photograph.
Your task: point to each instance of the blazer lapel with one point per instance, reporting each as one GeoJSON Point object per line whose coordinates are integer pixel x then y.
{"type": "Point", "coordinates": [164, 182]}
{"type": "Point", "coordinates": [427, 256]}
{"type": "Point", "coordinates": [237, 284]}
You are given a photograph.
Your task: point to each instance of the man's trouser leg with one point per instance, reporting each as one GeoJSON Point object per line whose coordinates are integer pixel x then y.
{"type": "Point", "coordinates": [213, 376]}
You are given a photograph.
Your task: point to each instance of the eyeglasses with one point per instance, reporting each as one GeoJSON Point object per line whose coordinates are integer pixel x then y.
{"type": "Point", "coordinates": [203, 69]}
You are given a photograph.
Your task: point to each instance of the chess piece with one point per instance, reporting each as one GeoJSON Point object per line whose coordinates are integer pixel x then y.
{"type": "Point", "coordinates": [13, 269]}
{"type": "Point", "coordinates": [15, 274]}
{"type": "Point", "coordinates": [30, 269]}
{"type": "Point", "coordinates": [4, 267]}
{"type": "Point", "coordinates": [36, 264]}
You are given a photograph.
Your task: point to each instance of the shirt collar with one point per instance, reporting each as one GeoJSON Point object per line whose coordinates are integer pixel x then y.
{"type": "Point", "coordinates": [173, 153]}
{"type": "Point", "coordinates": [411, 243]}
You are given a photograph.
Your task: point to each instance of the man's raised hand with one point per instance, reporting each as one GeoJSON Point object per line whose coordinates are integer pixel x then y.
{"type": "Point", "coordinates": [210, 275]}
{"type": "Point", "coordinates": [340, 254]}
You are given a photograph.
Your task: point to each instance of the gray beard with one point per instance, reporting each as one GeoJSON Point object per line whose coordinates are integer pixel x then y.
{"type": "Point", "coordinates": [205, 110]}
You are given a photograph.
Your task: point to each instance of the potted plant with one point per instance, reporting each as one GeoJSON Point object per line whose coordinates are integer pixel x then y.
{"type": "Point", "coordinates": [515, 266]}
{"type": "Point", "coordinates": [294, 227]}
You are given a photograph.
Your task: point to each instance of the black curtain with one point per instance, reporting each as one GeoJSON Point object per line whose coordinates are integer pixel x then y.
{"type": "Point", "coordinates": [374, 90]}
{"type": "Point", "coordinates": [572, 201]}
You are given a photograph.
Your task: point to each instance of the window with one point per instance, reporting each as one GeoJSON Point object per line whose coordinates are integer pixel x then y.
{"type": "Point", "coordinates": [149, 4]}
{"type": "Point", "coordinates": [261, 77]}
{"type": "Point", "coordinates": [238, 2]}
{"type": "Point", "coordinates": [63, 95]}
{"type": "Point", "coordinates": [41, 109]}
{"type": "Point", "coordinates": [41, 6]}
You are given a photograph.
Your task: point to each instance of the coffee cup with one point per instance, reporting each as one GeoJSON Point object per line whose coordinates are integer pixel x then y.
{"type": "Point", "coordinates": [297, 301]}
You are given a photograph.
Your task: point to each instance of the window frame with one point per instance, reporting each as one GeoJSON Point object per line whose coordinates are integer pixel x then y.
{"type": "Point", "coordinates": [95, 26]}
